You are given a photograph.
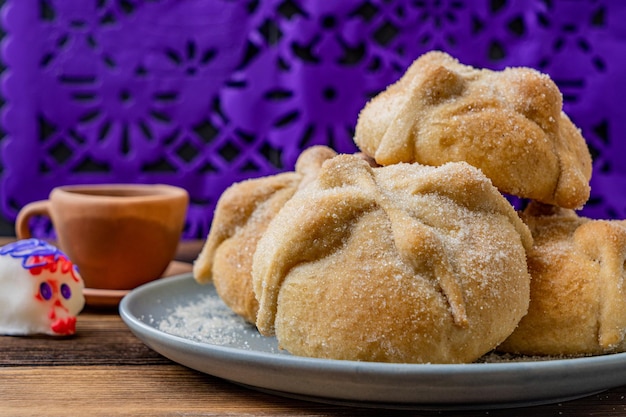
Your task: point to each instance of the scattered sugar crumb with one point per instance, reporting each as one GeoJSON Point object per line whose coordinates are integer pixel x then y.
{"type": "Point", "coordinates": [209, 320]}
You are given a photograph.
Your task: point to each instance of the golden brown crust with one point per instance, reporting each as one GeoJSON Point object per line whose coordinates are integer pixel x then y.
{"type": "Point", "coordinates": [241, 217]}
{"type": "Point", "coordinates": [509, 124]}
{"type": "Point", "coordinates": [404, 263]}
{"type": "Point", "coordinates": [578, 299]}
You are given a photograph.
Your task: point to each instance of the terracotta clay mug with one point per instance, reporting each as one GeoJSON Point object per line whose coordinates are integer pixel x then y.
{"type": "Point", "coordinates": [118, 235]}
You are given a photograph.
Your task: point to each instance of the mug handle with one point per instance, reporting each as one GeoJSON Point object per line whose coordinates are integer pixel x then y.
{"type": "Point", "coordinates": [36, 208]}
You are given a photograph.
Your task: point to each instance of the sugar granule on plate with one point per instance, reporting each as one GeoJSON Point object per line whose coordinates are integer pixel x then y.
{"type": "Point", "coordinates": [208, 320]}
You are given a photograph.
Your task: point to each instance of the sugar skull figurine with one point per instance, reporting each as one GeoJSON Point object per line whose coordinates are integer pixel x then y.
{"type": "Point", "coordinates": [41, 291]}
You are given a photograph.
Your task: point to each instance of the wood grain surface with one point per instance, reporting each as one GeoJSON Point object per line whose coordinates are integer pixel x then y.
{"type": "Point", "coordinates": [105, 370]}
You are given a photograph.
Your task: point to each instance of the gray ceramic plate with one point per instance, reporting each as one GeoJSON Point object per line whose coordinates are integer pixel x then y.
{"type": "Point", "coordinates": [232, 350]}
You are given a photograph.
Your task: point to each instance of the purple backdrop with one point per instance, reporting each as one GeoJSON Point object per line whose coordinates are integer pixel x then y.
{"type": "Point", "coordinates": [200, 93]}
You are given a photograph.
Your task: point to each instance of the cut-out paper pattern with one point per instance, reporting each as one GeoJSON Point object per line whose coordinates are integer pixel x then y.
{"type": "Point", "coordinates": [200, 93]}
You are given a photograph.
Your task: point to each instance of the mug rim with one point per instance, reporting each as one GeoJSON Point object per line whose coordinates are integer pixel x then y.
{"type": "Point", "coordinates": [117, 191]}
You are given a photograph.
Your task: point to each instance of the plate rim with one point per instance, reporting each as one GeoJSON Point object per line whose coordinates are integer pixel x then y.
{"type": "Point", "coordinates": [185, 351]}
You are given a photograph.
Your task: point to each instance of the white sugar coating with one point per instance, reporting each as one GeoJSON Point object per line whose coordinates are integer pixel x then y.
{"type": "Point", "coordinates": [508, 123]}
{"type": "Point", "coordinates": [209, 320]}
{"type": "Point", "coordinates": [403, 263]}
{"type": "Point", "coordinates": [40, 291]}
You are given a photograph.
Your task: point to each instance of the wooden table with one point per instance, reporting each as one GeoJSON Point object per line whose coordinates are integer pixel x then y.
{"type": "Point", "coordinates": [105, 370]}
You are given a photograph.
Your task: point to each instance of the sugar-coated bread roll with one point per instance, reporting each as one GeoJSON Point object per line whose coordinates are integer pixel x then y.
{"type": "Point", "coordinates": [508, 123]}
{"type": "Point", "coordinates": [241, 216]}
{"type": "Point", "coordinates": [578, 294]}
{"type": "Point", "coordinates": [404, 263]}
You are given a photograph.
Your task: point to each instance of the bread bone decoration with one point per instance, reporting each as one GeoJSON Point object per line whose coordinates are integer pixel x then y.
{"type": "Point", "coordinates": [404, 263]}
{"type": "Point", "coordinates": [508, 123]}
{"type": "Point", "coordinates": [241, 216]}
{"type": "Point", "coordinates": [578, 298]}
